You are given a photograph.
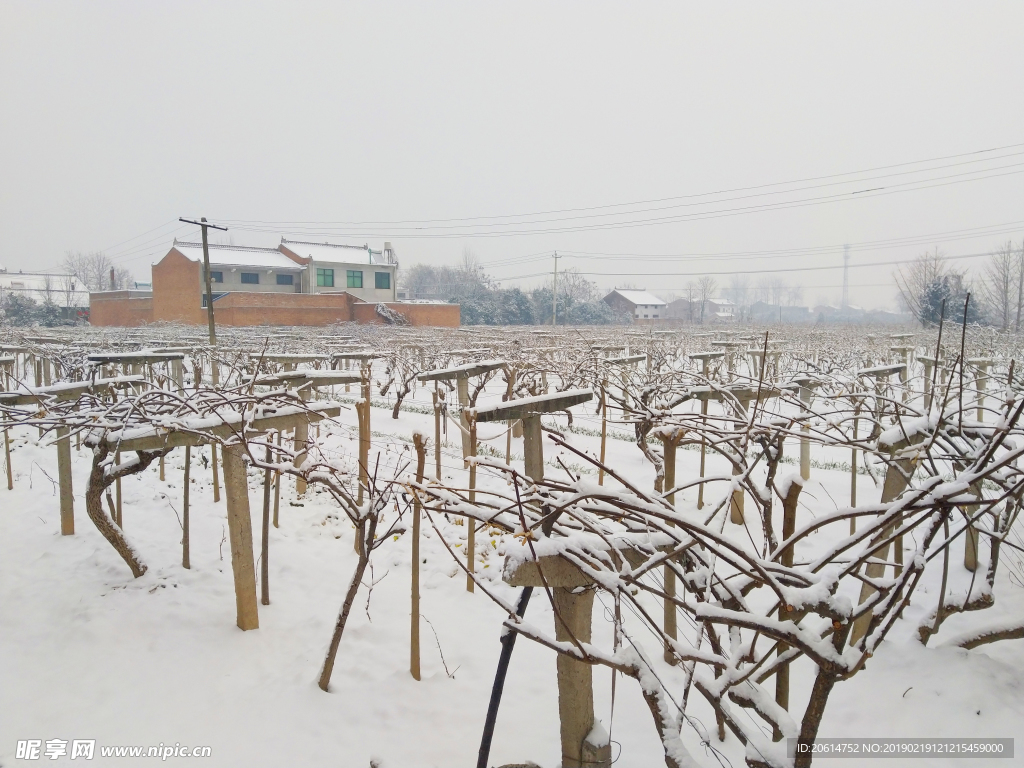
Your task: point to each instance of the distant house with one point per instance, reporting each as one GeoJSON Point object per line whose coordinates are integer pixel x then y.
{"type": "Point", "coordinates": [762, 312]}
{"type": "Point", "coordinates": [684, 309]}
{"type": "Point", "coordinates": [66, 291]}
{"type": "Point", "coordinates": [715, 311]}
{"type": "Point", "coordinates": [720, 311]}
{"type": "Point", "coordinates": [640, 305]}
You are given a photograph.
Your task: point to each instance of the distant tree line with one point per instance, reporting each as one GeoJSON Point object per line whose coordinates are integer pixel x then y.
{"type": "Point", "coordinates": [931, 288]}
{"type": "Point", "coordinates": [483, 302]}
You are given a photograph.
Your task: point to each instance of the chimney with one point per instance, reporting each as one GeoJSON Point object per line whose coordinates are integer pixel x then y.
{"type": "Point", "coordinates": [113, 282]}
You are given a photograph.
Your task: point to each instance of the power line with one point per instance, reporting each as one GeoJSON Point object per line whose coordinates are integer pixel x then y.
{"type": "Point", "coordinates": [424, 233]}
{"type": "Point", "coordinates": [240, 222]}
{"type": "Point", "coordinates": [703, 273]}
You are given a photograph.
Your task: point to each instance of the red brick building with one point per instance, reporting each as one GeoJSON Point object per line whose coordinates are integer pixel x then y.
{"type": "Point", "coordinates": [297, 283]}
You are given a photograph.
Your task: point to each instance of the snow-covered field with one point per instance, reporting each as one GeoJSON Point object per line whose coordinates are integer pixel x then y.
{"type": "Point", "coordinates": [88, 652]}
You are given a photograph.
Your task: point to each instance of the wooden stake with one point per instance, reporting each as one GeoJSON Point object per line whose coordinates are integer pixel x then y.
{"type": "Point", "coordinates": [703, 439]}
{"type": "Point", "coordinates": [7, 459]}
{"type": "Point", "coordinates": [471, 535]}
{"type": "Point", "coordinates": [853, 474]}
{"type": "Point", "coordinates": [805, 430]}
{"type": "Point", "coordinates": [277, 488]}
{"type": "Point", "coordinates": [364, 433]}
{"type": "Point", "coordinates": [265, 544]}
{"type": "Point", "coordinates": [185, 561]}
{"type": "Point", "coordinates": [669, 444]}
{"type": "Point", "coordinates": [216, 478]}
{"type": "Point", "coordinates": [414, 635]}
{"type": "Point", "coordinates": [437, 431]}
{"type": "Point", "coordinates": [463, 389]}
{"type": "Point", "coordinates": [604, 429]}
{"type": "Point", "coordinates": [736, 503]}
{"type": "Point", "coordinates": [67, 498]}
{"type": "Point", "coordinates": [789, 505]}
{"type": "Point", "coordinates": [117, 494]}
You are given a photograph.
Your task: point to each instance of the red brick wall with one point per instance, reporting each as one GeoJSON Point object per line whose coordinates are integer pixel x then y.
{"type": "Point", "coordinates": [283, 309]}
{"type": "Point", "coordinates": [115, 308]}
{"type": "Point", "coordinates": [436, 315]}
{"type": "Point", "coordinates": [177, 290]}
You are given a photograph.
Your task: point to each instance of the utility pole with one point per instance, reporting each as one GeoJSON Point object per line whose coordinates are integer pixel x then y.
{"type": "Point", "coordinates": [554, 295]}
{"type": "Point", "coordinates": [209, 313]}
{"type": "Point", "coordinates": [206, 268]}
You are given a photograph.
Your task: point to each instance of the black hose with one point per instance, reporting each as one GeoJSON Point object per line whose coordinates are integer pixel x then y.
{"type": "Point", "coordinates": [508, 642]}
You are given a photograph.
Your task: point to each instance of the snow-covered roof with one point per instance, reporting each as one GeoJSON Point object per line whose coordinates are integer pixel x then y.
{"type": "Point", "coordinates": [239, 256]}
{"type": "Point", "coordinates": [640, 297]}
{"type": "Point", "coordinates": [65, 290]}
{"type": "Point", "coordinates": [337, 252]}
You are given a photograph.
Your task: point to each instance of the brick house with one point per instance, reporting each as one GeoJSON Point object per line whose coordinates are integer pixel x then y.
{"type": "Point", "coordinates": [296, 283]}
{"type": "Point", "coordinates": [640, 305]}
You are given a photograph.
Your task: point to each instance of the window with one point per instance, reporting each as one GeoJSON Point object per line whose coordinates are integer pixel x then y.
{"type": "Point", "coordinates": [251, 278]}
{"type": "Point", "coordinates": [285, 279]}
{"type": "Point", "coordinates": [324, 278]}
{"type": "Point", "coordinates": [216, 277]}
{"type": "Point", "coordinates": [382, 280]}
{"type": "Point", "coordinates": [355, 278]}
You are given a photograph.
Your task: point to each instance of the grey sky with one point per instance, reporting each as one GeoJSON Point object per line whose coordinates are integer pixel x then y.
{"type": "Point", "coordinates": [119, 117]}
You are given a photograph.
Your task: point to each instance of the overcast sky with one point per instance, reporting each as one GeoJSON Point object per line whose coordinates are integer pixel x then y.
{"type": "Point", "coordinates": [612, 133]}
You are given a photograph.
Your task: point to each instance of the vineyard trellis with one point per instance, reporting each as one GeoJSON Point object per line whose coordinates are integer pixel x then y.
{"type": "Point", "coordinates": [719, 581]}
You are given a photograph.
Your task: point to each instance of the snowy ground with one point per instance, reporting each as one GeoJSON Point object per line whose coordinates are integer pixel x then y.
{"type": "Point", "coordinates": [90, 653]}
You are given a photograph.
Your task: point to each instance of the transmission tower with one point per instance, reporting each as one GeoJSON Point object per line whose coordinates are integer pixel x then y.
{"type": "Point", "coordinates": [846, 276]}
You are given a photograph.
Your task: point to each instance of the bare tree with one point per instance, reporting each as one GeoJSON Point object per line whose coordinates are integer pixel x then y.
{"type": "Point", "coordinates": [763, 290]}
{"type": "Point", "coordinates": [999, 285]}
{"type": "Point", "coordinates": [778, 290]}
{"type": "Point", "coordinates": [575, 288]}
{"type": "Point", "coordinates": [916, 278]}
{"type": "Point", "coordinates": [93, 271]}
{"type": "Point", "coordinates": [47, 290]}
{"type": "Point", "coordinates": [706, 288]}
{"type": "Point", "coordinates": [1020, 286]}
{"type": "Point", "coordinates": [794, 295]}
{"type": "Point", "coordinates": [739, 289]}
{"type": "Point", "coordinates": [68, 285]}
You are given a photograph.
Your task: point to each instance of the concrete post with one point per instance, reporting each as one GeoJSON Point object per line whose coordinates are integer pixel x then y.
{"type": "Point", "coordinates": [533, 446]}
{"type": "Point", "coordinates": [240, 537]}
{"type": "Point", "coordinates": [576, 681]}
{"type": "Point", "coordinates": [897, 478]}
{"type": "Point", "coordinates": [301, 442]}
